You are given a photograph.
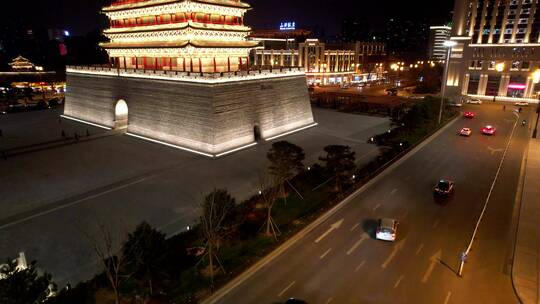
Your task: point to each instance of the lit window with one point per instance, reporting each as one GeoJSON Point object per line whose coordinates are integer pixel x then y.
{"type": "Point", "coordinates": [492, 65]}
{"type": "Point", "coordinates": [515, 65]}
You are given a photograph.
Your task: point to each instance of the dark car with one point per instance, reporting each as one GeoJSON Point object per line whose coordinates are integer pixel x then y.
{"type": "Point", "coordinates": [295, 301]}
{"type": "Point", "coordinates": [444, 187]}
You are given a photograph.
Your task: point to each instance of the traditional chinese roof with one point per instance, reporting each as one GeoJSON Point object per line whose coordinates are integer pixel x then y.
{"type": "Point", "coordinates": [179, 44]}
{"type": "Point", "coordinates": [21, 63]}
{"type": "Point", "coordinates": [131, 4]}
{"type": "Point", "coordinates": [179, 26]}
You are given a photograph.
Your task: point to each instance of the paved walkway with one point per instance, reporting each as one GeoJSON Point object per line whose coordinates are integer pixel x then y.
{"type": "Point", "coordinates": [526, 269]}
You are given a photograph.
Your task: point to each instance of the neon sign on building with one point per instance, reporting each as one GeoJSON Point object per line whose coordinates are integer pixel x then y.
{"type": "Point", "coordinates": [287, 26]}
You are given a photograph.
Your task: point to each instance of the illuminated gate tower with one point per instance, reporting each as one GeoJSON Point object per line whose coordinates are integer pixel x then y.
{"type": "Point", "coordinates": [180, 75]}
{"type": "Point", "coordinates": [194, 36]}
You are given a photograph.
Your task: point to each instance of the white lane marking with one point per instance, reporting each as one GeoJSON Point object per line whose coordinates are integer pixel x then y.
{"type": "Point", "coordinates": [333, 227]}
{"type": "Point", "coordinates": [405, 214]}
{"type": "Point", "coordinates": [393, 191]}
{"type": "Point", "coordinates": [493, 150]}
{"type": "Point", "coordinates": [358, 243]}
{"type": "Point", "coordinates": [324, 254]}
{"type": "Point", "coordinates": [75, 202]}
{"type": "Point", "coordinates": [329, 300]}
{"type": "Point", "coordinates": [359, 266]}
{"type": "Point", "coordinates": [398, 281]}
{"type": "Point", "coordinates": [286, 288]}
{"type": "Point", "coordinates": [355, 226]}
{"type": "Point", "coordinates": [447, 299]}
{"type": "Point", "coordinates": [436, 224]}
{"type": "Point", "coordinates": [393, 254]}
{"type": "Point", "coordinates": [433, 261]}
{"type": "Point", "coordinates": [376, 207]}
{"type": "Point", "coordinates": [419, 249]}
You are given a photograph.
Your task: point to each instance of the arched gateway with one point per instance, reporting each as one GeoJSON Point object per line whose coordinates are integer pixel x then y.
{"type": "Point", "coordinates": [121, 115]}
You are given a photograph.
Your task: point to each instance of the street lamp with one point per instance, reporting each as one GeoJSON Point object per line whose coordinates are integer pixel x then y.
{"type": "Point", "coordinates": [448, 44]}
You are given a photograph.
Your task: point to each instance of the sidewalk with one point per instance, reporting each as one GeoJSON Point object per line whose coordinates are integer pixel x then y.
{"type": "Point", "coordinates": [526, 268]}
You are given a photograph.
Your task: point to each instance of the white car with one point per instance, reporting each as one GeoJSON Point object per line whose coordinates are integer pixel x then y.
{"type": "Point", "coordinates": [465, 132]}
{"type": "Point", "coordinates": [474, 101]}
{"type": "Point", "coordinates": [522, 103]}
{"type": "Point", "coordinates": [386, 230]}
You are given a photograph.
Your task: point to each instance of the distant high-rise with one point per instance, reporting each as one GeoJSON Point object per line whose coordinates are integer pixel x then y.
{"type": "Point", "coordinates": [407, 38]}
{"type": "Point", "coordinates": [497, 49]}
{"type": "Point", "coordinates": [437, 36]}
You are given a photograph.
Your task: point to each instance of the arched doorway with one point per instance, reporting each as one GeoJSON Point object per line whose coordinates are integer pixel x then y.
{"type": "Point", "coordinates": [257, 132]}
{"type": "Point", "coordinates": [121, 115]}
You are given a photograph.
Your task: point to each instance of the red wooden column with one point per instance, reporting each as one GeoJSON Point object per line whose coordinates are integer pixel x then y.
{"type": "Point", "coordinates": [136, 63]}
{"type": "Point", "coordinates": [240, 64]}
{"type": "Point", "coordinates": [215, 65]}
{"type": "Point", "coordinates": [191, 65]}
{"type": "Point", "coordinates": [200, 65]}
{"type": "Point", "coordinates": [184, 64]}
{"type": "Point", "coordinates": [228, 64]}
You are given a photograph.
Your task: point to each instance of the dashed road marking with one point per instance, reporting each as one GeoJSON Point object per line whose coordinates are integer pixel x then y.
{"type": "Point", "coordinates": [358, 243]}
{"type": "Point", "coordinates": [447, 299]}
{"type": "Point", "coordinates": [393, 254]}
{"type": "Point", "coordinates": [436, 224]}
{"type": "Point", "coordinates": [419, 249]}
{"type": "Point", "coordinates": [324, 254]}
{"type": "Point", "coordinates": [285, 289]}
{"type": "Point", "coordinates": [329, 300]}
{"type": "Point", "coordinates": [355, 226]}
{"type": "Point", "coordinates": [398, 281]}
{"type": "Point", "coordinates": [359, 266]}
{"type": "Point", "coordinates": [393, 192]}
{"type": "Point", "coordinates": [376, 207]}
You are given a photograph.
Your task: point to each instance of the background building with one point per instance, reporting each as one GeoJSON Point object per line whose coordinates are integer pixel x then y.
{"type": "Point", "coordinates": [437, 36]}
{"type": "Point", "coordinates": [325, 63]}
{"type": "Point", "coordinates": [406, 38]}
{"type": "Point", "coordinates": [497, 52]}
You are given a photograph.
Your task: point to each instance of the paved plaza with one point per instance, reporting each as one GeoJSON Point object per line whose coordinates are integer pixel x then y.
{"type": "Point", "coordinates": [53, 197]}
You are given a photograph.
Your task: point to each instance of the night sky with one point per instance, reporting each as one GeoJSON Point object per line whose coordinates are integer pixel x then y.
{"type": "Point", "coordinates": [82, 16]}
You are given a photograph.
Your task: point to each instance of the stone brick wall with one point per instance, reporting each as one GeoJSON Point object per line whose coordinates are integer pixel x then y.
{"type": "Point", "coordinates": [211, 118]}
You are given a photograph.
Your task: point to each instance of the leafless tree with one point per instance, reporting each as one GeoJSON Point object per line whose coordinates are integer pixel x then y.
{"type": "Point", "coordinates": [111, 260]}
{"type": "Point", "coordinates": [270, 188]}
{"type": "Point", "coordinates": [217, 208]}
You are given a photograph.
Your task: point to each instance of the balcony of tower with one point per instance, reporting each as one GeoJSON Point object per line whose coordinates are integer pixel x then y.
{"type": "Point", "coordinates": [176, 18]}
{"type": "Point", "coordinates": [121, 5]}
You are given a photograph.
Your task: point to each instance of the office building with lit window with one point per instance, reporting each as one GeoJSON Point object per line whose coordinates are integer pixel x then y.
{"type": "Point", "coordinates": [497, 50]}
{"type": "Point", "coordinates": [437, 36]}
{"type": "Point", "coordinates": [324, 63]}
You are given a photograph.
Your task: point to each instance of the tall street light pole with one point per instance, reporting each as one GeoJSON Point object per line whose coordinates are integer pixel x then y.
{"type": "Point", "coordinates": [448, 44]}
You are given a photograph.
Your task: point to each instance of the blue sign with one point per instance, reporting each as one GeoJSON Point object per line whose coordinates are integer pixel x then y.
{"type": "Point", "coordinates": [287, 26]}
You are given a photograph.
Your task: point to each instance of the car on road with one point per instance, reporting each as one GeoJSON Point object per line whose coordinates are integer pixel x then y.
{"type": "Point", "coordinates": [295, 301]}
{"type": "Point", "coordinates": [455, 104]}
{"type": "Point", "coordinates": [522, 103]}
{"type": "Point", "coordinates": [444, 187]}
{"type": "Point", "coordinates": [465, 132]}
{"type": "Point", "coordinates": [489, 130]}
{"type": "Point", "coordinates": [474, 101]}
{"type": "Point", "coordinates": [386, 230]}
{"type": "Point", "coordinates": [469, 114]}
{"type": "Point", "coordinates": [417, 97]}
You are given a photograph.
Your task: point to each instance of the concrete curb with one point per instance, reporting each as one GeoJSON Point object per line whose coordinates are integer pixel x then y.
{"type": "Point", "coordinates": [218, 295]}
{"type": "Point", "coordinates": [519, 200]}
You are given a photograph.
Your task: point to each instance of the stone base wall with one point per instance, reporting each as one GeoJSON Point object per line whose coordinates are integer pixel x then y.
{"type": "Point", "coordinates": [211, 118]}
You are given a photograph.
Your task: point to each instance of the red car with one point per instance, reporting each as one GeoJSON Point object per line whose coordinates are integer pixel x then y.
{"type": "Point", "coordinates": [468, 114]}
{"type": "Point", "coordinates": [488, 130]}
